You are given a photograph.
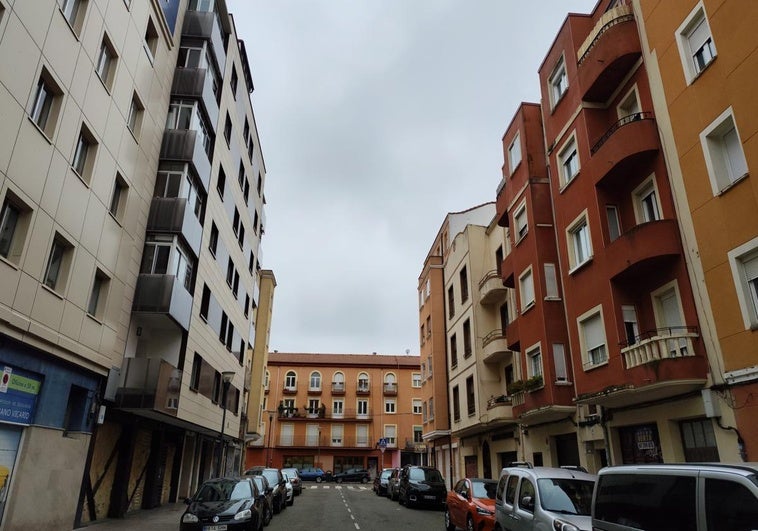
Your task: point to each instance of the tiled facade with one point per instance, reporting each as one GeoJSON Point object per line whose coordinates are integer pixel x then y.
{"type": "Point", "coordinates": [131, 185]}
{"type": "Point", "coordinates": [331, 410]}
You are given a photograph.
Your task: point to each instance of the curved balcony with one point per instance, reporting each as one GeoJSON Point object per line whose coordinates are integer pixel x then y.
{"type": "Point", "coordinates": [171, 215]}
{"type": "Point", "coordinates": [491, 288]}
{"type": "Point", "coordinates": [506, 271]}
{"type": "Point", "coordinates": [667, 343]}
{"type": "Point", "coordinates": [609, 52]}
{"type": "Point", "coordinates": [495, 347]}
{"type": "Point", "coordinates": [626, 143]}
{"type": "Point", "coordinates": [639, 250]}
{"type": "Point", "coordinates": [512, 336]}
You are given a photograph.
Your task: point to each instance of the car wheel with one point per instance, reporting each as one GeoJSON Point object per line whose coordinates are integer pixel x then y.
{"type": "Point", "coordinates": [284, 503]}
{"type": "Point", "coordinates": [269, 515]}
{"type": "Point", "coordinates": [318, 479]}
{"type": "Point", "coordinates": [277, 505]}
{"type": "Point", "coordinates": [364, 479]}
{"type": "Point", "coordinates": [292, 501]}
{"type": "Point", "coordinates": [469, 523]}
{"type": "Point", "coordinates": [400, 499]}
{"type": "Point", "coordinates": [449, 525]}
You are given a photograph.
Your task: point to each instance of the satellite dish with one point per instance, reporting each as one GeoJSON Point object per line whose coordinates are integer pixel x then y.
{"type": "Point", "coordinates": [407, 351]}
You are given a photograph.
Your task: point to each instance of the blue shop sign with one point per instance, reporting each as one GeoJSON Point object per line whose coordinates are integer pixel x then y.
{"type": "Point", "coordinates": [18, 395]}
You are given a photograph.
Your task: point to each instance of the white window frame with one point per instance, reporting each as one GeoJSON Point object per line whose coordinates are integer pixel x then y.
{"type": "Point", "coordinates": [569, 151]}
{"type": "Point", "coordinates": [521, 229]}
{"type": "Point", "coordinates": [417, 406]}
{"type": "Point", "coordinates": [740, 259]}
{"type": "Point", "coordinates": [290, 380]}
{"type": "Point", "coordinates": [581, 322]}
{"type": "Point", "coordinates": [338, 408]}
{"type": "Point", "coordinates": [338, 435]}
{"type": "Point", "coordinates": [524, 302]}
{"type": "Point", "coordinates": [514, 153]}
{"type": "Point", "coordinates": [534, 361]}
{"type": "Point", "coordinates": [416, 379]}
{"type": "Point", "coordinates": [724, 171]}
{"type": "Point", "coordinates": [59, 268]}
{"type": "Point", "coordinates": [361, 435]}
{"type": "Point", "coordinates": [314, 381]}
{"type": "Point", "coordinates": [98, 294]}
{"type": "Point", "coordinates": [286, 434]}
{"type": "Point", "coordinates": [106, 63]}
{"type": "Point", "coordinates": [559, 72]}
{"type": "Point", "coordinates": [560, 363]}
{"type": "Point", "coordinates": [694, 20]}
{"type": "Point", "coordinates": [633, 95]}
{"type": "Point", "coordinates": [390, 433]}
{"type": "Point", "coordinates": [614, 222]}
{"type": "Point", "coordinates": [551, 282]}
{"type": "Point", "coordinates": [579, 240]}
{"type": "Point", "coordinates": [361, 407]}
{"type": "Point", "coordinates": [640, 194]}
{"type": "Point", "coordinates": [390, 406]}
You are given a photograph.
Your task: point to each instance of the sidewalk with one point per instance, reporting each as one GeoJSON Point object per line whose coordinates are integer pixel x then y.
{"type": "Point", "coordinates": [163, 518]}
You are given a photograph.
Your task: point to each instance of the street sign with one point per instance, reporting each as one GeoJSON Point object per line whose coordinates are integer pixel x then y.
{"type": "Point", "coordinates": [382, 443]}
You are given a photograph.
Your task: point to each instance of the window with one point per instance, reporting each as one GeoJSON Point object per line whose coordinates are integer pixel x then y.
{"type": "Point", "coordinates": [526, 290]}
{"type": "Point", "coordinates": [106, 60]}
{"type": "Point", "coordinates": [520, 221]}
{"type": "Point", "coordinates": [416, 379]}
{"type": "Point", "coordinates": [456, 404]}
{"type": "Point", "coordinates": [424, 412]}
{"type": "Point", "coordinates": [744, 265]}
{"type": "Point", "coordinates": [222, 328]}
{"type": "Point", "coordinates": [646, 202]}
{"type": "Point", "coordinates": [58, 264]}
{"type": "Point", "coordinates": [197, 365]}
{"type": "Point", "coordinates": [14, 224]}
{"type": "Point", "coordinates": [463, 277]}
{"type": "Point", "coordinates": [247, 305]}
{"type": "Point", "coordinates": [579, 242]}
{"type": "Point", "coordinates": [98, 294]}
{"type": "Point", "coordinates": [389, 405]}
{"type": "Point", "coordinates": [213, 240]}
{"type": "Point", "coordinates": [228, 129]}
{"type": "Point", "coordinates": [729, 505]}
{"type": "Point", "coordinates": [534, 362]}
{"type": "Point", "coordinates": [568, 161]}
{"type": "Point", "coordinates": [559, 360]}
{"type": "Point", "coordinates": [84, 154]}
{"type": "Point", "coordinates": [286, 434]}
{"type": "Point", "coordinates": [363, 382]}
{"type": "Point", "coordinates": [470, 396]}
{"type": "Point", "coordinates": [551, 283]}
{"type": "Point", "coordinates": [246, 129]}
{"type": "Point", "coordinates": [74, 11]}
{"type": "Point", "coordinates": [134, 118]}
{"type": "Point", "coordinates": [229, 272]}
{"type": "Point", "coordinates": [631, 328]}
{"type": "Point", "coordinates": [450, 302]}
{"type": "Point", "coordinates": [453, 351]}
{"type": "Point", "coordinates": [630, 105]}
{"type": "Point", "coordinates": [724, 156]}
{"type": "Point", "coordinates": [466, 338]}
{"type": "Point", "coordinates": [417, 406]}
{"type": "Point", "coordinates": [118, 198]}
{"type": "Point", "coordinates": [233, 82]}
{"type": "Point", "coordinates": [338, 408]}
{"type": "Point", "coordinates": [390, 433]}
{"type": "Point", "coordinates": [514, 153]}
{"type": "Point", "coordinates": [46, 103]}
{"type": "Point", "coordinates": [205, 302]}
{"type": "Point", "coordinates": [695, 41]}
{"type": "Point", "coordinates": [337, 434]}
{"type": "Point", "coordinates": [557, 83]}
{"type": "Point", "coordinates": [614, 222]}
{"type": "Point", "coordinates": [362, 407]}
{"type": "Point", "coordinates": [260, 184]}
{"type": "Point", "coordinates": [593, 340]}
{"type": "Point", "coordinates": [151, 40]}
{"type": "Point", "coordinates": [290, 380]}
{"type": "Point", "coordinates": [221, 182]}
{"type": "Point", "coordinates": [315, 381]}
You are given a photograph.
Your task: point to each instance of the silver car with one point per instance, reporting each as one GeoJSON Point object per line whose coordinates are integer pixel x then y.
{"type": "Point", "coordinates": [535, 498]}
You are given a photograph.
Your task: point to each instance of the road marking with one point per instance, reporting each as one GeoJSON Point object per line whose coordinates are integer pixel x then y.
{"type": "Point", "coordinates": [356, 525]}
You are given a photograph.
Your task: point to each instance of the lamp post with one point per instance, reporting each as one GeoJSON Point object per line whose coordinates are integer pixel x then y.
{"type": "Point", "coordinates": [270, 431]}
{"type": "Point", "coordinates": [226, 378]}
{"type": "Point", "coordinates": [318, 449]}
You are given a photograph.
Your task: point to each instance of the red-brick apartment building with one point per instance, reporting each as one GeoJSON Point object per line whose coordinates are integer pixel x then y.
{"type": "Point", "coordinates": [625, 367]}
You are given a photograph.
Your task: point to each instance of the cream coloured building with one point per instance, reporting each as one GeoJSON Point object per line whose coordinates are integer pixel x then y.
{"type": "Point", "coordinates": [131, 185]}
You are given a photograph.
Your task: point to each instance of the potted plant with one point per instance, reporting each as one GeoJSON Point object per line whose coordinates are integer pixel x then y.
{"type": "Point", "coordinates": [535, 382]}
{"type": "Point", "coordinates": [516, 387]}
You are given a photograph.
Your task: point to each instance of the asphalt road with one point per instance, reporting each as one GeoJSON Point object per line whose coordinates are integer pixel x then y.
{"type": "Point", "coordinates": [351, 506]}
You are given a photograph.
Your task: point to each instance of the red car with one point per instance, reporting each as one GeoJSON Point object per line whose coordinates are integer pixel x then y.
{"type": "Point", "coordinates": [471, 505]}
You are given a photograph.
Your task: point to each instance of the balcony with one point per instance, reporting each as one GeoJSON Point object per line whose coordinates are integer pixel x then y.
{"type": "Point", "coordinates": [306, 413]}
{"type": "Point", "coordinates": [491, 288]}
{"type": "Point", "coordinates": [630, 141]}
{"type": "Point", "coordinates": [608, 54]}
{"type": "Point", "coordinates": [495, 347]}
{"type": "Point", "coordinates": [666, 343]}
{"type": "Point", "coordinates": [289, 389]}
{"type": "Point", "coordinates": [338, 388]}
{"type": "Point", "coordinates": [197, 83]}
{"type": "Point", "coordinates": [363, 390]}
{"type": "Point", "coordinates": [314, 390]}
{"type": "Point", "coordinates": [149, 384]}
{"type": "Point", "coordinates": [164, 295]}
{"type": "Point", "coordinates": [390, 389]}
{"type": "Point", "coordinates": [184, 145]}
{"type": "Point", "coordinates": [512, 336]}
{"type": "Point", "coordinates": [205, 25]}
{"type": "Point", "coordinates": [506, 271]}
{"type": "Point", "coordinates": [415, 446]}
{"type": "Point", "coordinates": [639, 251]}
{"type": "Point", "coordinates": [171, 215]}
{"type": "Point", "coordinates": [312, 441]}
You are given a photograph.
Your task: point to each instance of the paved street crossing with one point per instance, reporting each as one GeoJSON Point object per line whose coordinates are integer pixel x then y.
{"type": "Point", "coordinates": [338, 487]}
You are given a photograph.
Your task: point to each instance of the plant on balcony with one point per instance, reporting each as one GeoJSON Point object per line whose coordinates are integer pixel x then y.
{"type": "Point", "coordinates": [516, 387]}
{"type": "Point", "coordinates": [535, 382]}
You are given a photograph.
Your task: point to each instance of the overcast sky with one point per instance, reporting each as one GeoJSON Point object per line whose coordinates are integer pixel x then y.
{"type": "Point", "coordinates": [376, 119]}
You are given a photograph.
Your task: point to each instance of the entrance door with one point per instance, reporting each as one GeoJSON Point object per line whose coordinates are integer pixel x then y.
{"type": "Point", "coordinates": [471, 466]}
{"type": "Point", "coordinates": [640, 444]}
{"type": "Point", "coordinates": [486, 460]}
{"type": "Point", "coordinates": [567, 449]}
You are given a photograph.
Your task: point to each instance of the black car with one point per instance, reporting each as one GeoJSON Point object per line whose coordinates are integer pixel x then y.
{"type": "Point", "coordinates": [381, 482]}
{"type": "Point", "coordinates": [276, 481]}
{"type": "Point", "coordinates": [229, 503]}
{"type": "Point", "coordinates": [421, 485]}
{"type": "Point", "coordinates": [268, 494]}
{"type": "Point", "coordinates": [353, 474]}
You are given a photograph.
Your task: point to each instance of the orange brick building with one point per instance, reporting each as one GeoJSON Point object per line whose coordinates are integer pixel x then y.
{"type": "Point", "coordinates": [331, 410]}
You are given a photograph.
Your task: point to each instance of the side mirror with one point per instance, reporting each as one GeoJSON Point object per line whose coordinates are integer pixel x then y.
{"type": "Point", "coordinates": [187, 500]}
{"type": "Point", "coordinates": [527, 502]}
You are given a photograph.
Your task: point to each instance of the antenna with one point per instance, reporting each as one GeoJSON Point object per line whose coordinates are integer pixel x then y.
{"type": "Point", "coordinates": [407, 351]}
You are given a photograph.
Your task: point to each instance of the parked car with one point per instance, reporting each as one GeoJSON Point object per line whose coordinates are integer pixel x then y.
{"type": "Point", "coordinates": [381, 482]}
{"type": "Point", "coordinates": [289, 489]}
{"type": "Point", "coordinates": [470, 505]}
{"type": "Point", "coordinates": [312, 474]}
{"type": "Point", "coordinates": [421, 485]}
{"type": "Point", "coordinates": [297, 484]}
{"type": "Point", "coordinates": [530, 498]}
{"type": "Point", "coordinates": [276, 481]}
{"type": "Point", "coordinates": [675, 497]}
{"type": "Point", "coordinates": [353, 474]}
{"type": "Point", "coordinates": [268, 495]}
{"type": "Point", "coordinates": [393, 483]}
{"type": "Point", "coordinates": [229, 503]}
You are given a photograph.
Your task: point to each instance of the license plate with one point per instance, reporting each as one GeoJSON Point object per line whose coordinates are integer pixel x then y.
{"type": "Point", "coordinates": [220, 527]}
{"type": "Point", "coordinates": [427, 497]}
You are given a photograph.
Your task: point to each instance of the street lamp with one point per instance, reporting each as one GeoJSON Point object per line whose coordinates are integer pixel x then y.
{"type": "Point", "coordinates": [226, 378]}
{"type": "Point", "coordinates": [270, 431]}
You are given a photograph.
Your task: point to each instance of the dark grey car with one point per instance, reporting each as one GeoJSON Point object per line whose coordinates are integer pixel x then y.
{"type": "Point", "coordinates": [276, 481]}
{"type": "Point", "coordinates": [421, 485]}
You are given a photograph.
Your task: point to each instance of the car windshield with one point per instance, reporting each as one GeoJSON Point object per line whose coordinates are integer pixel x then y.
{"type": "Point", "coordinates": [271, 476]}
{"type": "Point", "coordinates": [259, 481]}
{"type": "Point", "coordinates": [425, 474]}
{"type": "Point", "coordinates": [484, 489]}
{"type": "Point", "coordinates": [386, 474]}
{"type": "Point", "coordinates": [566, 496]}
{"type": "Point", "coordinates": [224, 491]}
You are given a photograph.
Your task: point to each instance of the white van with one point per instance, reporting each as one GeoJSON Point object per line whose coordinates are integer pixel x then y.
{"type": "Point", "coordinates": [676, 497]}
